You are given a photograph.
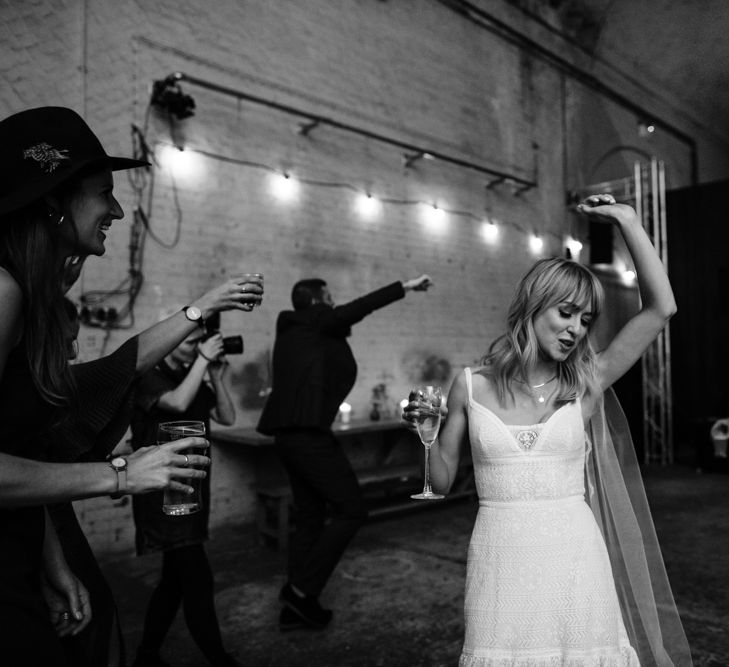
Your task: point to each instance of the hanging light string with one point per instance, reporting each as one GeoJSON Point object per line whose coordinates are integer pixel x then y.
{"type": "Point", "coordinates": [142, 182]}
{"type": "Point", "coordinates": [343, 185]}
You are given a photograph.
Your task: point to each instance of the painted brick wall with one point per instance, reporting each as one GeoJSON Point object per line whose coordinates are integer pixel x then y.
{"type": "Point", "coordinates": [411, 70]}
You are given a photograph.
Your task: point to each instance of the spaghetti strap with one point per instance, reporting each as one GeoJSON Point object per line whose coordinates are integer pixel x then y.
{"type": "Point", "coordinates": [467, 371]}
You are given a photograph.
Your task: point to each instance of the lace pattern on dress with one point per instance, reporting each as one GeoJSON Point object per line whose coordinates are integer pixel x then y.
{"type": "Point", "coordinates": [625, 657]}
{"type": "Point", "coordinates": [539, 586]}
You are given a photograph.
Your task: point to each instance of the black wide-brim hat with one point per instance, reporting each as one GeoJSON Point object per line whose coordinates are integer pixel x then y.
{"type": "Point", "coordinates": [41, 148]}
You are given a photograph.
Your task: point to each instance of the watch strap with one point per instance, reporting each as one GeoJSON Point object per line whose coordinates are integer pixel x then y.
{"type": "Point", "coordinates": [121, 479]}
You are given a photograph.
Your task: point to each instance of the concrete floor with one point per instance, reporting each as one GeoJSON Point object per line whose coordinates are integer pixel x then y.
{"type": "Point", "coordinates": [398, 593]}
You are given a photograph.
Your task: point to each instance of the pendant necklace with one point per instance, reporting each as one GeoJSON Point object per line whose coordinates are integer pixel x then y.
{"type": "Point", "coordinates": [540, 395]}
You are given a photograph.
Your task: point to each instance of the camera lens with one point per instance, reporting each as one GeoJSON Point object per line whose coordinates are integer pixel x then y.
{"type": "Point", "coordinates": [233, 345]}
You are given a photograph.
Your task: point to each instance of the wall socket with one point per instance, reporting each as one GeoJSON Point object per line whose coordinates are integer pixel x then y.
{"type": "Point", "coordinates": [98, 317]}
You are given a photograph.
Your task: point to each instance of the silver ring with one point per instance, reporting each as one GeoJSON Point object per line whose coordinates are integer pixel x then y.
{"type": "Point", "coordinates": [187, 461]}
{"type": "Point", "coordinates": [66, 616]}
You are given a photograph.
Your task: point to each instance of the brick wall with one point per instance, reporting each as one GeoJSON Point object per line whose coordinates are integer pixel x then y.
{"type": "Point", "coordinates": [411, 70]}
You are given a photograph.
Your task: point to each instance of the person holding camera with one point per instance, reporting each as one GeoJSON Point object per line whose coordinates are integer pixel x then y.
{"type": "Point", "coordinates": [176, 389]}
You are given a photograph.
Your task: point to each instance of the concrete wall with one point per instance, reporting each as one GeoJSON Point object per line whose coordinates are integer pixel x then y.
{"type": "Point", "coordinates": [412, 70]}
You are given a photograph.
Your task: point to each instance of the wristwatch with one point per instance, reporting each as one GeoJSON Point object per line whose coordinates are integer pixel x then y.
{"type": "Point", "coordinates": [119, 465]}
{"type": "Point", "coordinates": [193, 314]}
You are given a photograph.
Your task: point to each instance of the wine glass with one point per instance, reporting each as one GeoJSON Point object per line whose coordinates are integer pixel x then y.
{"type": "Point", "coordinates": [429, 400]}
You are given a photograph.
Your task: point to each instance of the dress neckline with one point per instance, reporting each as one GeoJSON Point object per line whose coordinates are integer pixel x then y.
{"type": "Point", "coordinates": [540, 424]}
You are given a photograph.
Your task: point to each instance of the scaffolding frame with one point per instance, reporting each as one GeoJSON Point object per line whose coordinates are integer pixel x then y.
{"type": "Point", "coordinates": [650, 199]}
{"type": "Point", "coordinates": [646, 192]}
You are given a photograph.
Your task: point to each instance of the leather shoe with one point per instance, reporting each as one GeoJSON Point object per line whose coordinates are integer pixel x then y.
{"type": "Point", "coordinates": [288, 620]}
{"type": "Point", "coordinates": [146, 658]}
{"type": "Point", "coordinates": [307, 608]}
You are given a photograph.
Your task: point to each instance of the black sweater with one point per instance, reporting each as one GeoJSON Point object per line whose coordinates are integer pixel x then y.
{"type": "Point", "coordinates": [313, 366]}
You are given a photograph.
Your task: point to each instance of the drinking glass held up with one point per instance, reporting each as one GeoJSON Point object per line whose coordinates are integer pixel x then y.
{"type": "Point", "coordinates": [178, 503]}
{"type": "Point", "coordinates": [429, 399]}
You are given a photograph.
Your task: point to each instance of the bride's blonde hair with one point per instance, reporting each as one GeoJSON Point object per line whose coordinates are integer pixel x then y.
{"type": "Point", "coordinates": [548, 282]}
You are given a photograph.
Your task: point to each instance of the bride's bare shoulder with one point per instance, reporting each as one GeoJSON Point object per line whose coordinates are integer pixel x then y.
{"type": "Point", "coordinates": [482, 374]}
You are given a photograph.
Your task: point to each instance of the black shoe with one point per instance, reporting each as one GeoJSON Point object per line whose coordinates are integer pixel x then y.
{"type": "Point", "coordinates": [227, 661]}
{"type": "Point", "coordinates": [307, 608]}
{"type": "Point", "coordinates": [288, 620]}
{"type": "Point", "coordinates": [146, 658]}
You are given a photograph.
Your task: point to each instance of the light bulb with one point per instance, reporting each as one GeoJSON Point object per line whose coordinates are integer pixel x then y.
{"type": "Point", "coordinates": [184, 165]}
{"type": "Point", "coordinates": [489, 231]}
{"type": "Point", "coordinates": [574, 247]}
{"type": "Point", "coordinates": [435, 217]}
{"type": "Point", "coordinates": [367, 206]}
{"type": "Point", "coordinates": [284, 187]}
{"type": "Point", "coordinates": [536, 244]}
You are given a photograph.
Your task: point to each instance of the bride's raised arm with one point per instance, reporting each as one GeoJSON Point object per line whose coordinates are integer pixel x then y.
{"type": "Point", "coordinates": [657, 302]}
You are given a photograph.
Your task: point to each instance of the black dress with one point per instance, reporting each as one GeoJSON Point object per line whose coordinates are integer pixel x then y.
{"type": "Point", "coordinates": [156, 531]}
{"type": "Point", "coordinates": [26, 634]}
{"type": "Point", "coordinates": [104, 389]}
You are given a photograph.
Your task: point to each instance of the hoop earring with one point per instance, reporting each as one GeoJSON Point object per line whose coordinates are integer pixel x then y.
{"type": "Point", "coordinates": [52, 213]}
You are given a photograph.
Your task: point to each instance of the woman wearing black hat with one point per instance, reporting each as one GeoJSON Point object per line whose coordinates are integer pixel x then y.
{"type": "Point", "coordinates": [56, 202]}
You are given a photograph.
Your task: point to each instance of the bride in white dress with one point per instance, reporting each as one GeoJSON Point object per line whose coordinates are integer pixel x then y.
{"type": "Point", "coordinates": [546, 552]}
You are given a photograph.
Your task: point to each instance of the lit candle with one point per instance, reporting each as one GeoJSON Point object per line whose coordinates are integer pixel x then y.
{"type": "Point", "coordinates": [345, 411]}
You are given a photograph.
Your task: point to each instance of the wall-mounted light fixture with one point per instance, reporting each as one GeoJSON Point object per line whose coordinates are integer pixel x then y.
{"type": "Point", "coordinates": [409, 159]}
{"type": "Point", "coordinates": [646, 129]}
{"type": "Point", "coordinates": [167, 96]}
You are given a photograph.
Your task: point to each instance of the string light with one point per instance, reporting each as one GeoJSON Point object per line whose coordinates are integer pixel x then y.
{"type": "Point", "coordinates": [489, 231]}
{"type": "Point", "coordinates": [536, 244]}
{"type": "Point", "coordinates": [284, 187]}
{"type": "Point", "coordinates": [367, 206]}
{"type": "Point", "coordinates": [183, 165]}
{"type": "Point", "coordinates": [628, 276]}
{"type": "Point", "coordinates": [434, 217]}
{"type": "Point", "coordinates": [574, 246]}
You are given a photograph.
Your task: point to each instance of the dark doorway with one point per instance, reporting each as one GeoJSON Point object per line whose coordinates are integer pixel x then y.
{"type": "Point", "coordinates": [698, 264]}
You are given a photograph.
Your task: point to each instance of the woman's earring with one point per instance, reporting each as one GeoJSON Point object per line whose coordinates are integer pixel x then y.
{"type": "Point", "coordinates": [60, 220]}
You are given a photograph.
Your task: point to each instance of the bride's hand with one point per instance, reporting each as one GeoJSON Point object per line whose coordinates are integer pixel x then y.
{"type": "Point", "coordinates": [603, 208]}
{"type": "Point", "coordinates": [411, 412]}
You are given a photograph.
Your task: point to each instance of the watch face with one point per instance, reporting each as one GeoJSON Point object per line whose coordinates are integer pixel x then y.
{"type": "Point", "coordinates": [193, 313]}
{"type": "Point", "coordinates": [119, 462]}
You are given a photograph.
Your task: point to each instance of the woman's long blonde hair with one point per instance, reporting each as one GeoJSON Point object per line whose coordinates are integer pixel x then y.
{"type": "Point", "coordinates": [548, 282]}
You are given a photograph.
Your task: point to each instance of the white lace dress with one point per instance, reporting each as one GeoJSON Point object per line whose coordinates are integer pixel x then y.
{"type": "Point", "coordinates": [539, 588]}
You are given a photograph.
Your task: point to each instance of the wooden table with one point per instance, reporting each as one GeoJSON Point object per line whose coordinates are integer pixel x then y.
{"type": "Point", "coordinates": [386, 478]}
{"type": "Point", "coordinates": [252, 438]}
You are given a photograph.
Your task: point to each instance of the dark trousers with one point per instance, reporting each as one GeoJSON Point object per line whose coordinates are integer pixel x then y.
{"type": "Point", "coordinates": [321, 479]}
{"type": "Point", "coordinates": [100, 643]}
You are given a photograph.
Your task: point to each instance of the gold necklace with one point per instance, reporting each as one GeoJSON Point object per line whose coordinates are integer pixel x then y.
{"type": "Point", "coordinates": [541, 397]}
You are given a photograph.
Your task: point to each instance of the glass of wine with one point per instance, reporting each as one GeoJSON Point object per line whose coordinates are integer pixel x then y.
{"type": "Point", "coordinates": [429, 400]}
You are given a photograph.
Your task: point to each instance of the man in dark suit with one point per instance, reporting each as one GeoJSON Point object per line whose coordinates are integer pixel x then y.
{"type": "Point", "coordinates": [313, 371]}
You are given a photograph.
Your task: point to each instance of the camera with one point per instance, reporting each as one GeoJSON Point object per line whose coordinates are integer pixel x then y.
{"type": "Point", "coordinates": [231, 344]}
